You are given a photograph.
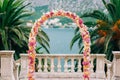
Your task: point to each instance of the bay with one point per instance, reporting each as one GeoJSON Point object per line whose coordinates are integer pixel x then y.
{"type": "Point", "coordinates": [60, 39]}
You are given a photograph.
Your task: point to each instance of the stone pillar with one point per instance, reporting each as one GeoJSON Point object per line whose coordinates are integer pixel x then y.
{"type": "Point", "coordinates": [7, 65]}
{"type": "Point", "coordinates": [24, 66]}
{"type": "Point", "coordinates": [116, 65]}
{"type": "Point", "coordinates": [100, 66]}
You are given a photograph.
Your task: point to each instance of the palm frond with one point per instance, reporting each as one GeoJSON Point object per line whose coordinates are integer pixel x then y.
{"type": "Point", "coordinates": [43, 34]}
{"type": "Point", "coordinates": [97, 15]}
{"type": "Point", "coordinates": [74, 39]}
{"type": "Point", "coordinates": [90, 24]}
{"type": "Point", "coordinates": [107, 42]}
{"type": "Point", "coordinates": [76, 30]}
{"type": "Point", "coordinates": [4, 40]}
{"type": "Point", "coordinates": [112, 10]}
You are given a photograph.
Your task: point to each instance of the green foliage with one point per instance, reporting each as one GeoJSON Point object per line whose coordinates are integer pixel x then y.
{"type": "Point", "coordinates": [13, 33]}
{"type": "Point", "coordinates": [38, 11]}
{"type": "Point", "coordinates": [105, 29]}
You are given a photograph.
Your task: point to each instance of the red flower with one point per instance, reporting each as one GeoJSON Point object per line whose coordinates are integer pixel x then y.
{"type": "Point", "coordinates": [51, 14]}
{"type": "Point", "coordinates": [80, 21]}
{"type": "Point", "coordinates": [73, 16]}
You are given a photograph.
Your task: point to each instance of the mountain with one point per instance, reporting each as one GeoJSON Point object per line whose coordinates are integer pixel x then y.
{"type": "Point", "coordinates": [38, 11]}
{"type": "Point", "coordinates": [39, 7]}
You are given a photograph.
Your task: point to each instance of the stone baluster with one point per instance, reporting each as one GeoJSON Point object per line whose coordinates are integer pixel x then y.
{"type": "Point", "coordinates": [108, 72]}
{"type": "Point", "coordinates": [65, 65]}
{"type": "Point", "coordinates": [16, 70]}
{"type": "Point", "coordinates": [24, 66]}
{"type": "Point", "coordinates": [116, 65]}
{"type": "Point", "coordinates": [59, 64]}
{"type": "Point", "coordinates": [79, 65]}
{"type": "Point", "coordinates": [72, 64]}
{"type": "Point", "coordinates": [39, 65]}
{"type": "Point", "coordinates": [100, 66]}
{"type": "Point", "coordinates": [109, 67]}
{"type": "Point", "coordinates": [92, 65]}
{"type": "Point", "coordinates": [45, 65]}
{"type": "Point", "coordinates": [52, 64]}
{"type": "Point", "coordinates": [7, 65]}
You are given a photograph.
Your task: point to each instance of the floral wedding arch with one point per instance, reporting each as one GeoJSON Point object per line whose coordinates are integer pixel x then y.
{"type": "Point", "coordinates": [83, 31]}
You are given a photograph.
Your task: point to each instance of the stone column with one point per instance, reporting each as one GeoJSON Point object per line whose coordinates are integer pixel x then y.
{"type": "Point", "coordinates": [7, 65]}
{"type": "Point", "coordinates": [116, 65]}
{"type": "Point", "coordinates": [100, 66]}
{"type": "Point", "coordinates": [24, 66]}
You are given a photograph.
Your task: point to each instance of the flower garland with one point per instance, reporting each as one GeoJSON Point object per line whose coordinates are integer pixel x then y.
{"type": "Point", "coordinates": [84, 33]}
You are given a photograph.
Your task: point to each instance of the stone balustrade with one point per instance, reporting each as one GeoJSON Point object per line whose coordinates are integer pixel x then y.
{"type": "Point", "coordinates": [116, 65]}
{"type": "Point", "coordinates": [63, 66]}
{"type": "Point", "coordinates": [8, 67]}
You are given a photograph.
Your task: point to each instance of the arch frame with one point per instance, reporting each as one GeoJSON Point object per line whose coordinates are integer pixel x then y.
{"type": "Point", "coordinates": [83, 31]}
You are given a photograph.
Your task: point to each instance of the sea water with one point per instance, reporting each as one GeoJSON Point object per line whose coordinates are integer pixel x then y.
{"type": "Point", "coordinates": [60, 39]}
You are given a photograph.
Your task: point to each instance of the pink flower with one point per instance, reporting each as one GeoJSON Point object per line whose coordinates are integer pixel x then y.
{"type": "Point", "coordinates": [67, 14]}
{"type": "Point", "coordinates": [29, 51]}
{"type": "Point", "coordinates": [59, 13]}
{"type": "Point", "coordinates": [85, 63]}
{"type": "Point", "coordinates": [41, 21]}
{"type": "Point", "coordinates": [32, 43]}
{"type": "Point", "coordinates": [73, 16]}
{"type": "Point", "coordinates": [80, 21]}
{"type": "Point", "coordinates": [51, 13]}
{"type": "Point", "coordinates": [31, 60]}
{"type": "Point", "coordinates": [47, 15]}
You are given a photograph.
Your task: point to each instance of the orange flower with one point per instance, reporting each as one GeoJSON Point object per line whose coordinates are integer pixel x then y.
{"type": "Point", "coordinates": [44, 18]}
{"type": "Point", "coordinates": [101, 24]}
{"type": "Point", "coordinates": [116, 29]}
{"type": "Point", "coordinates": [102, 33]}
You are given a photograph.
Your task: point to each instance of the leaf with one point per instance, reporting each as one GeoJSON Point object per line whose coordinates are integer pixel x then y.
{"type": "Point", "coordinates": [81, 49]}
{"type": "Point", "coordinates": [97, 15]}
{"type": "Point", "coordinates": [107, 41]}
{"type": "Point", "coordinates": [17, 19]}
{"type": "Point", "coordinates": [17, 32]}
{"type": "Point", "coordinates": [112, 10]}
{"type": "Point", "coordinates": [74, 39]}
{"type": "Point", "coordinates": [80, 43]}
{"type": "Point", "coordinates": [44, 35]}
{"type": "Point", "coordinates": [76, 30]}
{"type": "Point", "coordinates": [4, 40]}
{"type": "Point", "coordinates": [4, 6]}
{"type": "Point", "coordinates": [90, 24]}
{"type": "Point", "coordinates": [45, 48]}
{"type": "Point", "coordinates": [18, 13]}
{"type": "Point", "coordinates": [16, 40]}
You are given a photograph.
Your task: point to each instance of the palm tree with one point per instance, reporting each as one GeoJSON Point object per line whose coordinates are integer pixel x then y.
{"type": "Point", "coordinates": [105, 33]}
{"type": "Point", "coordinates": [13, 32]}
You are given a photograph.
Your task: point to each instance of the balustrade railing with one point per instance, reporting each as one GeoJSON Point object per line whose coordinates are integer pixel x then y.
{"type": "Point", "coordinates": [55, 65]}
{"type": "Point", "coordinates": [65, 63]}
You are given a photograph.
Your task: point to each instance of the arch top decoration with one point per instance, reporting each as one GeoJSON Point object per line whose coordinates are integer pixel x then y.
{"type": "Point", "coordinates": [84, 33]}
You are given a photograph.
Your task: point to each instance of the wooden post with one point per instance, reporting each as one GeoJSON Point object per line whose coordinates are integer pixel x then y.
{"type": "Point", "coordinates": [7, 65]}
